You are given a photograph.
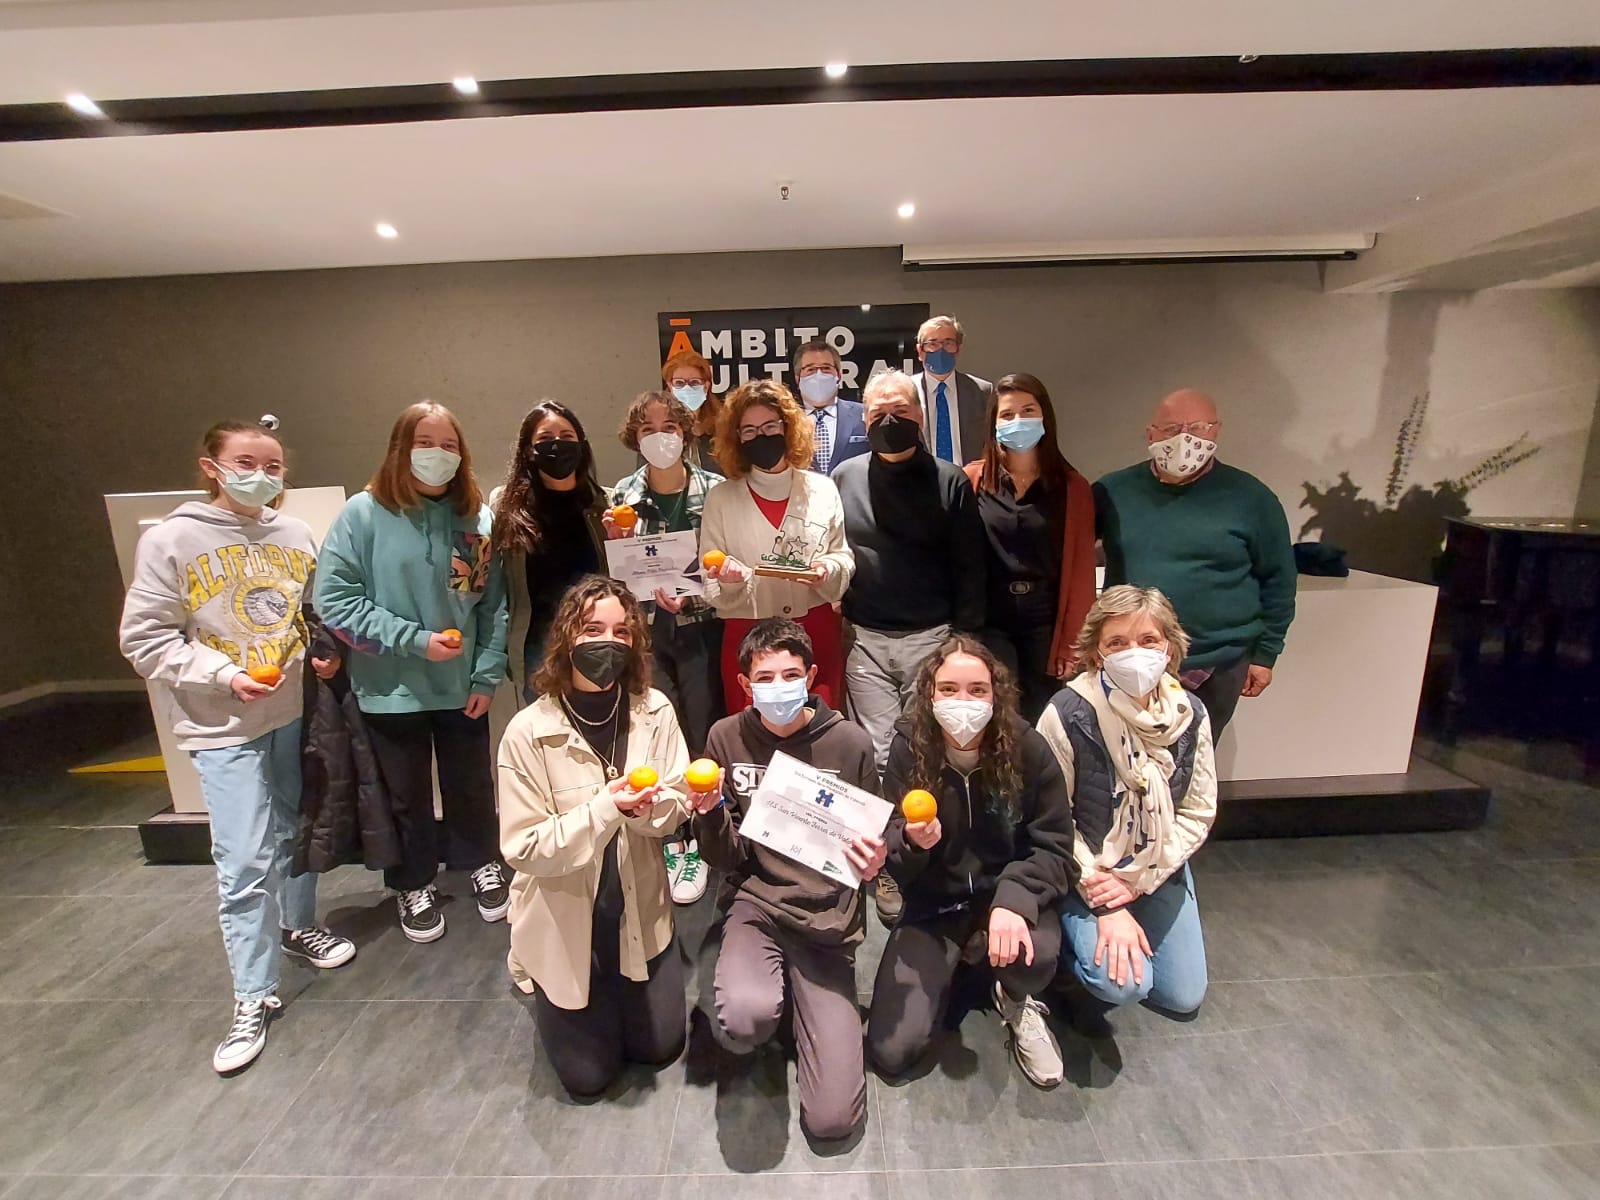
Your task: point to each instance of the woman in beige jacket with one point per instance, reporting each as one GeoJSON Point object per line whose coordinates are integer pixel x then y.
{"type": "Point", "coordinates": [591, 920]}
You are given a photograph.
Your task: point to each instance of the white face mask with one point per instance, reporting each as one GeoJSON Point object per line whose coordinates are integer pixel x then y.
{"type": "Point", "coordinates": [1136, 670]}
{"type": "Point", "coordinates": [819, 390]}
{"type": "Point", "coordinates": [964, 720]}
{"type": "Point", "coordinates": [661, 450]}
{"type": "Point", "coordinates": [1182, 455]}
{"type": "Point", "coordinates": [434, 467]}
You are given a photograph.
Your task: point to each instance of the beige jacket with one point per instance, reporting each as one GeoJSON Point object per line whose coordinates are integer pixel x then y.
{"type": "Point", "coordinates": [556, 818]}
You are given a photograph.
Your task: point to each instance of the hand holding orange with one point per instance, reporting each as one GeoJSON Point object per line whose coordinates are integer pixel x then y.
{"type": "Point", "coordinates": [453, 636]}
{"type": "Point", "coordinates": [642, 777]}
{"type": "Point", "coordinates": [919, 806]}
{"type": "Point", "coordinates": [702, 775]}
{"type": "Point", "coordinates": [266, 674]}
{"type": "Point", "coordinates": [624, 516]}
{"type": "Point", "coordinates": [713, 560]}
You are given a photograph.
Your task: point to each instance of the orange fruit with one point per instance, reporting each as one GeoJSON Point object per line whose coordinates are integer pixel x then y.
{"type": "Point", "coordinates": [266, 673]}
{"type": "Point", "coordinates": [624, 516]}
{"type": "Point", "coordinates": [714, 559]}
{"type": "Point", "coordinates": [919, 806]}
{"type": "Point", "coordinates": [642, 777]}
{"type": "Point", "coordinates": [453, 636]}
{"type": "Point", "coordinates": [701, 775]}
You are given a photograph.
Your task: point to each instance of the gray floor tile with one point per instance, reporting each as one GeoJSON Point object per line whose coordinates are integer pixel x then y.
{"type": "Point", "coordinates": [1037, 1183]}
{"type": "Point", "coordinates": [23, 911]}
{"type": "Point", "coordinates": [832, 1185]}
{"type": "Point", "coordinates": [299, 1187]}
{"type": "Point", "coordinates": [468, 963]}
{"type": "Point", "coordinates": [399, 1094]}
{"type": "Point", "coordinates": [181, 959]}
{"type": "Point", "coordinates": [119, 1187]}
{"type": "Point", "coordinates": [1248, 938]}
{"type": "Point", "coordinates": [48, 861]}
{"type": "Point", "coordinates": [73, 940]}
{"type": "Point", "coordinates": [591, 1187]}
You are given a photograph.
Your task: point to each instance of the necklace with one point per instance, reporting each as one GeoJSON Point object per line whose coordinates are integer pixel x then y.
{"type": "Point", "coordinates": [610, 765]}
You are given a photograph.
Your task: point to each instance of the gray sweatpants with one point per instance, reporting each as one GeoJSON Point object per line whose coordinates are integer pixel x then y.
{"type": "Point", "coordinates": [878, 669]}
{"type": "Point", "coordinates": [758, 957]}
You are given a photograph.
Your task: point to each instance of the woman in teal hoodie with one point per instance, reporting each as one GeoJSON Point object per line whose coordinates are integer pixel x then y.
{"type": "Point", "coordinates": [406, 578]}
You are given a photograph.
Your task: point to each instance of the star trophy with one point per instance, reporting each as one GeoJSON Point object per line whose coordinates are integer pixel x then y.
{"type": "Point", "coordinates": [792, 552]}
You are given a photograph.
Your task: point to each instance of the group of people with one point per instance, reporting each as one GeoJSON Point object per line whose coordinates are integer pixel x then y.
{"type": "Point", "coordinates": [900, 592]}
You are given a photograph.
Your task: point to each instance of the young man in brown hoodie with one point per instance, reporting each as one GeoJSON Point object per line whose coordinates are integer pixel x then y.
{"type": "Point", "coordinates": [785, 925]}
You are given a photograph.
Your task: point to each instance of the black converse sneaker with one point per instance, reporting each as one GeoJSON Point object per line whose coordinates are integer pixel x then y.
{"type": "Point", "coordinates": [247, 1036]}
{"type": "Point", "coordinates": [493, 890]}
{"type": "Point", "coordinates": [319, 947]}
{"type": "Point", "coordinates": [420, 918]}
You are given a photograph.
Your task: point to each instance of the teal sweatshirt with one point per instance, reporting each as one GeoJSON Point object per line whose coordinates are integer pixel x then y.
{"type": "Point", "coordinates": [386, 580]}
{"type": "Point", "coordinates": [1218, 547]}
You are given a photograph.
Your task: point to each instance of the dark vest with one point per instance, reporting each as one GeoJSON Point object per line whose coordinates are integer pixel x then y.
{"type": "Point", "coordinates": [1092, 804]}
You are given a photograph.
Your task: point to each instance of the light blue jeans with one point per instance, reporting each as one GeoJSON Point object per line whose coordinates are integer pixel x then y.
{"type": "Point", "coordinates": [253, 794]}
{"type": "Point", "coordinates": [1175, 979]}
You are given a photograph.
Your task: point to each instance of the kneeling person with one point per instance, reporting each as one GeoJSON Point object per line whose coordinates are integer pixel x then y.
{"type": "Point", "coordinates": [787, 927]}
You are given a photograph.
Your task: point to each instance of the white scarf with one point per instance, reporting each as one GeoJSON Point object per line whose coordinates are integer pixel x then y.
{"type": "Point", "coordinates": [1139, 847]}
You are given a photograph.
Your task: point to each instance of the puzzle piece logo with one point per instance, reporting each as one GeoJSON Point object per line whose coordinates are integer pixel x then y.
{"type": "Point", "coordinates": [824, 798]}
{"type": "Point", "coordinates": [651, 551]}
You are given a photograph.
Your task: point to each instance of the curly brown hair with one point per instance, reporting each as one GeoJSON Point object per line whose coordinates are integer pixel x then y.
{"type": "Point", "coordinates": [797, 431]}
{"type": "Point", "coordinates": [554, 676]}
{"type": "Point", "coordinates": [677, 414]}
{"type": "Point", "coordinates": [1001, 748]}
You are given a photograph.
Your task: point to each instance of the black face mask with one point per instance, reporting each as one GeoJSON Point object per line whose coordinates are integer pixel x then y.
{"type": "Point", "coordinates": [557, 458]}
{"type": "Point", "coordinates": [890, 434]}
{"type": "Point", "coordinates": [600, 662]}
{"type": "Point", "coordinates": [766, 450]}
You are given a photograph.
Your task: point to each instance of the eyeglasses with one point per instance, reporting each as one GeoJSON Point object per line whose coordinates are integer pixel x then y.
{"type": "Point", "coordinates": [1201, 429]}
{"type": "Point", "coordinates": [247, 464]}
{"type": "Point", "coordinates": [940, 344]}
{"type": "Point", "coordinates": [747, 432]}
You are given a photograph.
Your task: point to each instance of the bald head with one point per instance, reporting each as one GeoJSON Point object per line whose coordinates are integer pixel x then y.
{"type": "Point", "coordinates": [1183, 406]}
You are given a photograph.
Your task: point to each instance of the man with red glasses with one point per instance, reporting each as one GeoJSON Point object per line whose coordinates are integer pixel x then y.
{"type": "Point", "coordinates": [1215, 540]}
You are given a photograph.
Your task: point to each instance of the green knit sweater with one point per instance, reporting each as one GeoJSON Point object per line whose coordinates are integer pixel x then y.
{"type": "Point", "coordinates": [1218, 547]}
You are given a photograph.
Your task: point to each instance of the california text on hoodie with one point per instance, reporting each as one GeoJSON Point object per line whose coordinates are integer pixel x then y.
{"type": "Point", "coordinates": [213, 594]}
{"type": "Point", "coordinates": [386, 580]}
{"type": "Point", "coordinates": [797, 897]}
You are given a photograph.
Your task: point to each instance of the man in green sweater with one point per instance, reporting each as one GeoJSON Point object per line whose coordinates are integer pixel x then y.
{"type": "Point", "coordinates": [1215, 540]}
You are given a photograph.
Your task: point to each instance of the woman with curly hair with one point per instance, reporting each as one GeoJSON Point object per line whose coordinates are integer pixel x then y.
{"type": "Point", "coordinates": [779, 529]}
{"type": "Point", "coordinates": [591, 921]}
{"type": "Point", "coordinates": [984, 878]}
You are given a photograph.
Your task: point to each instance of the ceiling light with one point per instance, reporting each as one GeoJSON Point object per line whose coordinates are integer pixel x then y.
{"type": "Point", "coordinates": [1247, 59]}
{"type": "Point", "coordinates": [836, 70]}
{"type": "Point", "coordinates": [79, 103]}
{"type": "Point", "coordinates": [907, 209]}
{"type": "Point", "coordinates": [866, 308]}
{"type": "Point", "coordinates": [465, 84]}
{"type": "Point", "coordinates": [386, 230]}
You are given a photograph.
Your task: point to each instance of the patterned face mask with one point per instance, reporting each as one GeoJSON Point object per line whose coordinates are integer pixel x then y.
{"type": "Point", "coordinates": [1182, 455]}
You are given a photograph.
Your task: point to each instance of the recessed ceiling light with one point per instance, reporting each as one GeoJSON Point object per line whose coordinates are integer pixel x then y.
{"type": "Point", "coordinates": [836, 70]}
{"type": "Point", "coordinates": [866, 308]}
{"type": "Point", "coordinates": [465, 84]}
{"type": "Point", "coordinates": [79, 103]}
{"type": "Point", "coordinates": [907, 209]}
{"type": "Point", "coordinates": [1415, 198]}
{"type": "Point", "coordinates": [386, 230]}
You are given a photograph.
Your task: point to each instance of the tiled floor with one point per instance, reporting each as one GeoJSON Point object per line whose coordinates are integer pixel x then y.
{"type": "Point", "coordinates": [1409, 1016]}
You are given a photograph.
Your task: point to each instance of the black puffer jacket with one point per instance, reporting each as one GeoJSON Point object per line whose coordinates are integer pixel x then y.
{"type": "Point", "coordinates": [345, 813]}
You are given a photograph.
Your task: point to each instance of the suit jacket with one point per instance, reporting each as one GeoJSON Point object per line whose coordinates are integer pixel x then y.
{"type": "Point", "coordinates": [849, 432]}
{"type": "Point", "coordinates": [972, 406]}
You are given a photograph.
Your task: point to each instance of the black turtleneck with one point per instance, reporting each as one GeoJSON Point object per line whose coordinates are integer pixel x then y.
{"type": "Point", "coordinates": [608, 737]}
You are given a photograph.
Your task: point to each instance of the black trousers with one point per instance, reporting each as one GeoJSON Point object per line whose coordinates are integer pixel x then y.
{"type": "Point", "coordinates": [688, 671]}
{"type": "Point", "coordinates": [624, 1022]}
{"type": "Point", "coordinates": [912, 990]}
{"type": "Point", "coordinates": [406, 745]}
{"type": "Point", "coordinates": [1220, 694]}
{"type": "Point", "coordinates": [1025, 651]}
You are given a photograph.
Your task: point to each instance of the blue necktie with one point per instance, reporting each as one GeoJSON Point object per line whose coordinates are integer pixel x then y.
{"type": "Point", "coordinates": [942, 445]}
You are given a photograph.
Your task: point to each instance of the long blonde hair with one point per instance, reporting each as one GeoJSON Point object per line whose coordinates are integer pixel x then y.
{"type": "Point", "coordinates": [1125, 600]}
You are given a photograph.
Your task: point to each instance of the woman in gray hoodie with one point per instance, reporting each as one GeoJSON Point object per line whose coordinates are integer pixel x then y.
{"type": "Point", "coordinates": [214, 621]}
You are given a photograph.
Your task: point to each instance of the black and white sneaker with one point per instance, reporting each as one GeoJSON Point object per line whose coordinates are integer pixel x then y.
{"type": "Point", "coordinates": [247, 1036]}
{"type": "Point", "coordinates": [493, 891]}
{"type": "Point", "coordinates": [319, 947]}
{"type": "Point", "coordinates": [420, 918]}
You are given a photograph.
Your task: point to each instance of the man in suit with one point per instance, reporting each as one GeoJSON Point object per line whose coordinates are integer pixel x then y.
{"type": "Point", "coordinates": [956, 405]}
{"type": "Point", "coordinates": [841, 430]}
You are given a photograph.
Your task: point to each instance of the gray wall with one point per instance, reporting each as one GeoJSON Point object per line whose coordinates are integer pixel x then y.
{"type": "Point", "coordinates": [107, 385]}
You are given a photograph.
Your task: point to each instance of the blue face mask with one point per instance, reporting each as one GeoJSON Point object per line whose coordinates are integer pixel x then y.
{"type": "Point", "coordinates": [1022, 434]}
{"type": "Point", "coordinates": [690, 395]}
{"type": "Point", "coordinates": [253, 489]}
{"type": "Point", "coordinates": [780, 701]}
{"type": "Point", "coordinates": [940, 362]}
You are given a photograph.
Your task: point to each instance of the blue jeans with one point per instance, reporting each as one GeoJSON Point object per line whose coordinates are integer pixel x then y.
{"type": "Point", "coordinates": [253, 794]}
{"type": "Point", "coordinates": [1175, 980]}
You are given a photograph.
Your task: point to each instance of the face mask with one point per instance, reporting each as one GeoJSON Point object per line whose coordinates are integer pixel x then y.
{"type": "Point", "coordinates": [939, 362]}
{"type": "Point", "coordinates": [1182, 456]}
{"type": "Point", "coordinates": [557, 458]}
{"type": "Point", "coordinates": [819, 390]}
{"type": "Point", "coordinates": [253, 489]}
{"type": "Point", "coordinates": [433, 466]}
{"type": "Point", "coordinates": [963, 720]}
{"type": "Point", "coordinates": [766, 450]}
{"type": "Point", "coordinates": [780, 701]}
{"type": "Point", "coordinates": [1136, 670]}
{"type": "Point", "coordinates": [661, 450]}
{"type": "Point", "coordinates": [890, 434]}
{"type": "Point", "coordinates": [690, 395]}
{"type": "Point", "coordinates": [1022, 434]}
{"type": "Point", "coordinates": [600, 662]}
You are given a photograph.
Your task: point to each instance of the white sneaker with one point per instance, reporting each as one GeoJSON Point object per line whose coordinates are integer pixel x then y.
{"type": "Point", "coordinates": [1032, 1043]}
{"type": "Point", "coordinates": [686, 874]}
{"type": "Point", "coordinates": [247, 1036]}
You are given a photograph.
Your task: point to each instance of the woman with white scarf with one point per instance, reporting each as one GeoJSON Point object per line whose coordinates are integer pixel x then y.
{"type": "Point", "coordinates": [1136, 751]}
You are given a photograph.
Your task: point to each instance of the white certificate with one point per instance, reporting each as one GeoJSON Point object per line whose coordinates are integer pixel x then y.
{"type": "Point", "coordinates": [811, 816]}
{"type": "Point", "coordinates": [669, 561]}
